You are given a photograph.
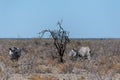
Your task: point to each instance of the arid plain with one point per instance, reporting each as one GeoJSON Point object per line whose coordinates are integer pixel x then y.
{"type": "Point", "coordinates": [39, 60]}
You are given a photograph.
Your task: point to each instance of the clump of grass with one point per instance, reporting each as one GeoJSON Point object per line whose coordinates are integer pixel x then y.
{"type": "Point", "coordinates": [17, 70]}
{"type": "Point", "coordinates": [105, 60]}
{"type": "Point", "coordinates": [51, 62]}
{"type": "Point", "coordinates": [42, 69]}
{"type": "Point", "coordinates": [82, 78]}
{"type": "Point", "coordinates": [115, 67]}
{"type": "Point", "coordinates": [78, 65]}
{"type": "Point", "coordinates": [38, 77]}
{"type": "Point", "coordinates": [65, 67]}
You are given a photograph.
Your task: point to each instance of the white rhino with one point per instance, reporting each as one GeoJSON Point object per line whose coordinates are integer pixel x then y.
{"type": "Point", "coordinates": [85, 52]}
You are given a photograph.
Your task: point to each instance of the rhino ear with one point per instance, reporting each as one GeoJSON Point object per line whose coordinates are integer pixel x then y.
{"type": "Point", "coordinates": [10, 49]}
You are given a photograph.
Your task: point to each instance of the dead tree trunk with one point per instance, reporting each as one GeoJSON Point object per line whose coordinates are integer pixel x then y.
{"type": "Point", "coordinates": [60, 38]}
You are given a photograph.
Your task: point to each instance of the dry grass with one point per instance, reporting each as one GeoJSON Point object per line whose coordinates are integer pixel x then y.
{"type": "Point", "coordinates": [1, 72]}
{"type": "Point", "coordinates": [51, 62]}
{"type": "Point", "coordinates": [42, 69]}
{"type": "Point", "coordinates": [40, 56]}
{"type": "Point", "coordinates": [78, 64]}
{"type": "Point", "coordinates": [82, 78]}
{"type": "Point", "coordinates": [116, 66]}
{"type": "Point", "coordinates": [38, 77]}
{"type": "Point", "coordinates": [63, 67]}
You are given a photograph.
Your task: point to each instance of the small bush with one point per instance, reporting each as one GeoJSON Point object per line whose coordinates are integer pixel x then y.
{"type": "Point", "coordinates": [82, 78]}
{"type": "Point", "coordinates": [65, 68]}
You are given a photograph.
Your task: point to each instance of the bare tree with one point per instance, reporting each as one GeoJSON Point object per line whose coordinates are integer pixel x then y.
{"type": "Point", "coordinates": [60, 38]}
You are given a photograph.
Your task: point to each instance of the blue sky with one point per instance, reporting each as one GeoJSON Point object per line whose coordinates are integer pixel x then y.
{"type": "Point", "coordinates": [82, 18]}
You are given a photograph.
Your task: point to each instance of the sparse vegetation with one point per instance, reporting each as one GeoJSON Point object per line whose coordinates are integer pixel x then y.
{"type": "Point", "coordinates": [39, 57]}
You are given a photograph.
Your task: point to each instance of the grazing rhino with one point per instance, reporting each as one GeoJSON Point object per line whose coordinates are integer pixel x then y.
{"type": "Point", "coordinates": [14, 53]}
{"type": "Point", "coordinates": [73, 54]}
{"type": "Point", "coordinates": [83, 52]}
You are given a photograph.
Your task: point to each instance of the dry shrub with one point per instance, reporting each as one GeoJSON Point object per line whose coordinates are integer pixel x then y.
{"type": "Point", "coordinates": [7, 60]}
{"type": "Point", "coordinates": [82, 78]}
{"type": "Point", "coordinates": [2, 58]}
{"type": "Point", "coordinates": [78, 65]}
{"type": "Point", "coordinates": [37, 77]}
{"type": "Point", "coordinates": [115, 67]}
{"type": "Point", "coordinates": [52, 62]}
{"type": "Point", "coordinates": [42, 69]}
{"type": "Point", "coordinates": [65, 67]}
{"type": "Point", "coordinates": [109, 70]}
{"type": "Point", "coordinates": [107, 65]}
{"type": "Point", "coordinates": [17, 70]}
{"type": "Point", "coordinates": [105, 60]}
{"type": "Point", "coordinates": [104, 65]}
